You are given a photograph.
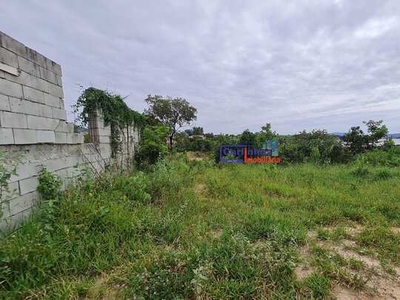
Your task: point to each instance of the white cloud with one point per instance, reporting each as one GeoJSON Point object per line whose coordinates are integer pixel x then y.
{"type": "Point", "coordinates": [297, 65]}
{"type": "Point", "coordinates": [376, 27]}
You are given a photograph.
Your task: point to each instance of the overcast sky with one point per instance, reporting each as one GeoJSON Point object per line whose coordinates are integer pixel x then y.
{"type": "Point", "coordinates": [296, 64]}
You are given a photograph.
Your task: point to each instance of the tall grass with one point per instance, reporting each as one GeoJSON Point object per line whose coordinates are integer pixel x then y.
{"type": "Point", "coordinates": [192, 229]}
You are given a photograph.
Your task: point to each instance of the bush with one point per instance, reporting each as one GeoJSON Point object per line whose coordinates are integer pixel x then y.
{"type": "Point", "coordinates": [49, 185]}
{"type": "Point", "coordinates": [379, 157]}
{"type": "Point", "coordinates": [152, 146]}
{"type": "Point", "coordinates": [316, 146]}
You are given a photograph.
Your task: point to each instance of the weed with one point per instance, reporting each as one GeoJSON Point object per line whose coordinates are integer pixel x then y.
{"type": "Point", "coordinates": [157, 235]}
{"type": "Point", "coordinates": [49, 185]}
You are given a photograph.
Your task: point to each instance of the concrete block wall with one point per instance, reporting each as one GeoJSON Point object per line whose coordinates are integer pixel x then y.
{"type": "Point", "coordinates": [31, 98]}
{"type": "Point", "coordinates": [34, 130]}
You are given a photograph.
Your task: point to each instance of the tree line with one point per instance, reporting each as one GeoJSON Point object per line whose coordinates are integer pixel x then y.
{"type": "Point", "coordinates": [165, 117]}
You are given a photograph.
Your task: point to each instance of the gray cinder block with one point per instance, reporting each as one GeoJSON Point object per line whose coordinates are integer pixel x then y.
{"type": "Point", "coordinates": [10, 88]}
{"type": "Point", "coordinates": [59, 113]}
{"type": "Point", "coordinates": [28, 185]}
{"type": "Point", "coordinates": [13, 120]}
{"type": "Point", "coordinates": [4, 103]}
{"type": "Point", "coordinates": [9, 58]}
{"type": "Point", "coordinates": [25, 136]}
{"type": "Point", "coordinates": [45, 136]}
{"type": "Point", "coordinates": [6, 136]}
{"type": "Point", "coordinates": [52, 100]}
{"type": "Point", "coordinates": [33, 94]}
{"type": "Point", "coordinates": [35, 122]}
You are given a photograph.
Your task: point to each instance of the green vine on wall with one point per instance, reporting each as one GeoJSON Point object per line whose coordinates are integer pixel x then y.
{"type": "Point", "coordinates": [115, 112]}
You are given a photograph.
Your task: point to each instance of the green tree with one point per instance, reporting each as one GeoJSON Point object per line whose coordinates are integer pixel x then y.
{"type": "Point", "coordinates": [354, 140]}
{"type": "Point", "coordinates": [315, 146]}
{"type": "Point", "coordinates": [247, 138]}
{"type": "Point", "coordinates": [376, 131]}
{"type": "Point", "coordinates": [152, 145]}
{"type": "Point", "coordinates": [198, 131]}
{"type": "Point", "coordinates": [357, 141]}
{"type": "Point", "coordinates": [266, 133]}
{"type": "Point", "coordinates": [172, 113]}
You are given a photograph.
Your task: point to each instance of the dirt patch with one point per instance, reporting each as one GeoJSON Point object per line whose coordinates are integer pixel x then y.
{"type": "Point", "coordinates": [354, 230]}
{"type": "Point", "coordinates": [380, 289]}
{"type": "Point", "coordinates": [395, 230]}
{"type": "Point", "coordinates": [380, 284]}
{"type": "Point", "coordinates": [304, 268]}
{"type": "Point", "coordinates": [101, 290]}
{"type": "Point", "coordinates": [351, 231]}
{"type": "Point", "coordinates": [344, 293]}
{"type": "Point", "coordinates": [200, 188]}
{"type": "Point", "coordinates": [347, 253]}
{"type": "Point", "coordinates": [216, 233]}
{"type": "Point", "coordinates": [196, 156]}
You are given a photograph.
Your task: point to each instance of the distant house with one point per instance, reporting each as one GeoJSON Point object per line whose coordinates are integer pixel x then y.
{"type": "Point", "coordinates": [199, 136]}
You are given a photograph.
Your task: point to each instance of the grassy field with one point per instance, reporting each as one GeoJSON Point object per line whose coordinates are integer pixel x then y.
{"type": "Point", "coordinates": [194, 230]}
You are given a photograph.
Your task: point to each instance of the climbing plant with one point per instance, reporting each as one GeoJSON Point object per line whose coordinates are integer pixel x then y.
{"type": "Point", "coordinates": [115, 112]}
{"type": "Point", "coordinates": [8, 167]}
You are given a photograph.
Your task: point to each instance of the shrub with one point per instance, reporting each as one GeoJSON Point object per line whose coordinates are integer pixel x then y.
{"type": "Point", "coordinates": [379, 157]}
{"type": "Point", "coordinates": [49, 185]}
{"type": "Point", "coordinates": [360, 171]}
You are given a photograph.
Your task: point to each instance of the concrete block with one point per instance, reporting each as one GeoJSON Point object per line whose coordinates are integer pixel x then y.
{"type": "Point", "coordinates": [30, 108]}
{"type": "Point", "coordinates": [35, 122]}
{"type": "Point", "coordinates": [59, 113]}
{"type": "Point", "coordinates": [70, 127]}
{"type": "Point", "coordinates": [61, 137]}
{"type": "Point", "coordinates": [55, 90]}
{"type": "Point", "coordinates": [105, 131]}
{"type": "Point", "coordinates": [6, 136]}
{"type": "Point", "coordinates": [9, 58]}
{"type": "Point", "coordinates": [53, 66]}
{"type": "Point", "coordinates": [63, 174]}
{"type": "Point", "coordinates": [29, 66]}
{"type": "Point", "coordinates": [12, 45]}
{"type": "Point", "coordinates": [10, 88]}
{"type": "Point", "coordinates": [72, 161]}
{"type": "Point", "coordinates": [56, 68]}
{"type": "Point", "coordinates": [29, 80]}
{"type": "Point", "coordinates": [52, 100]}
{"type": "Point", "coordinates": [77, 138]}
{"type": "Point", "coordinates": [59, 80]}
{"type": "Point", "coordinates": [23, 78]}
{"type": "Point", "coordinates": [62, 127]}
{"type": "Point", "coordinates": [35, 57]}
{"type": "Point", "coordinates": [54, 164]}
{"type": "Point", "coordinates": [25, 170]}
{"type": "Point", "coordinates": [11, 223]}
{"type": "Point", "coordinates": [33, 94]}
{"type": "Point", "coordinates": [12, 193]}
{"type": "Point", "coordinates": [4, 103]}
{"type": "Point", "coordinates": [44, 111]}
{"type": "Point", "coordinates": [48, 75]}
{"type": "Point", "coordinates": [45, 136]}
{"type": "Point", "coordinates": [22, 203]}
{"type": "Point", "coordinates": [9, 70]}
{"type": "Point", "coordinates": [103, 139]}
{"type": "Point", "coordinates": [13, 120]}
{"type": "Point", "coordinates": [23, 106]}
{"type": "Point", "coordinates": [28, 185]}
{"type": "Point", "coordinates": [69, 138]}
{"type": "Point", "coordinates": [25, 136]}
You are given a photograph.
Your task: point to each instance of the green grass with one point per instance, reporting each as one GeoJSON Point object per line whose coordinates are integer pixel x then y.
{"type": "Point", "coordinates": [195, 230]}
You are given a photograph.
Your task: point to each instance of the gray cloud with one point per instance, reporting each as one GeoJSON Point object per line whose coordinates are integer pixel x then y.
{"type": "Point", "coordinates": [297, 64]}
